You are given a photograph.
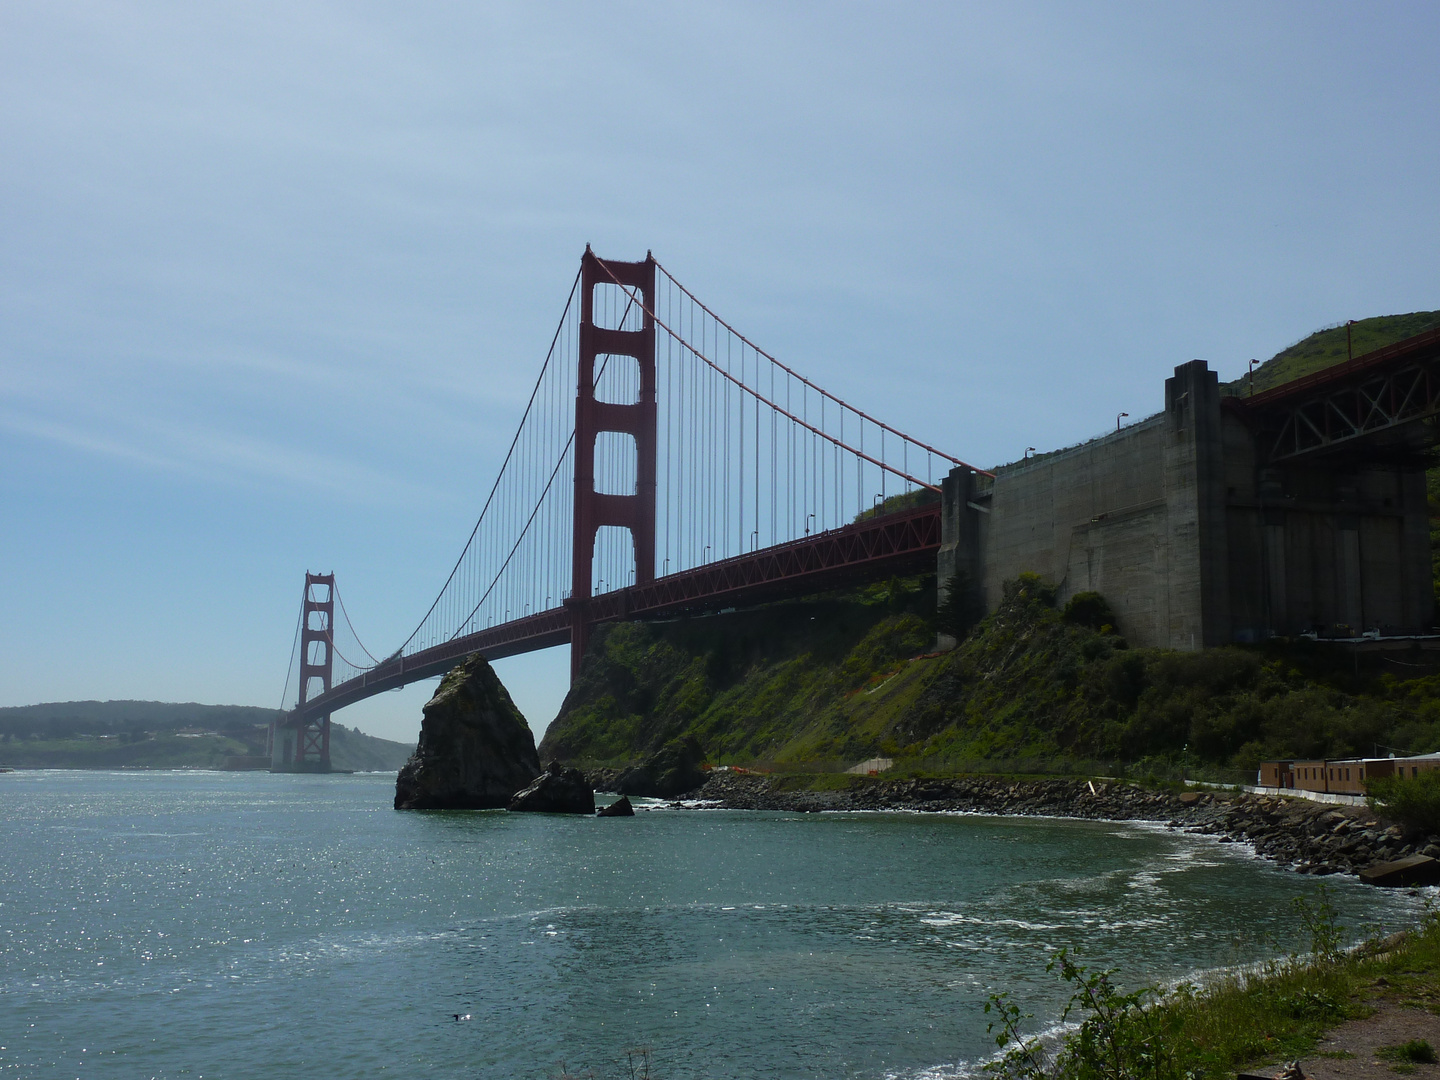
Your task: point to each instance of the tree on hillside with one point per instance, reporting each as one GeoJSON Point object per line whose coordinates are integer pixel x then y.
{"type": "Point", "coordinates": [960, 608]}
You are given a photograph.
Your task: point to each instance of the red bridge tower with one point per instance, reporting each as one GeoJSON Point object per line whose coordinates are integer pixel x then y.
{"type": "Point", "coordinates": [303, 744]}
{"type": "Point", "coordinates": [593, 509]}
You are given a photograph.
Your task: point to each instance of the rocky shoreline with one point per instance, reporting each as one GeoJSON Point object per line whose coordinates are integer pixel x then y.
{"type": "Point", "coordinates": [1310, 837]}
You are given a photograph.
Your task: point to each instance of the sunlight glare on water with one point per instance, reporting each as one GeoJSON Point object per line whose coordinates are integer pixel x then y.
{"type": "Point", "coordinates": [243, 924]}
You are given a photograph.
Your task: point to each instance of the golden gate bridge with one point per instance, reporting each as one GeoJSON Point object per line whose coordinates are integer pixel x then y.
{"type": "Point", "coordinates": [664, 465]}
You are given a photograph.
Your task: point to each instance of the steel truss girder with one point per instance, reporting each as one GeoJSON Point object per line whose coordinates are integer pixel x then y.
{"type": "Point", "coordinates": [1384, 401]}
{"type": "Point", "coordinates": [1379, 392]}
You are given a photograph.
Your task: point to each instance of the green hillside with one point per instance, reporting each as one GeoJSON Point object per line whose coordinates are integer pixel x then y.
{"type": "Point", "coordinates": [833, 680]}
{"type": "Point", "coordinates": [1325, 347]}
{"type": "Point", "coordinates": [784, 681]}
{"type": "Point", "coordinates": [163, 735]}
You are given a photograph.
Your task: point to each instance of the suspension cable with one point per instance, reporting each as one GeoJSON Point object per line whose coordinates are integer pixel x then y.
{"type": "Point", "coordinates": [350, 624]}
{"type": "Point", "coordinates": [792, 372]}
{"type": "Point", "coordinates": [794, 419]}
{"type": "Point", "coordinates": [538, 502]}
{"type": "Point", "coordinates": [548, 356]}
{"type": "Point", "coordinates": [299, 621]}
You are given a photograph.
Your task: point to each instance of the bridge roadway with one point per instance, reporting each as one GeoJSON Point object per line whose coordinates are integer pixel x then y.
{"type": "Point", "coordinates": [904, 542]}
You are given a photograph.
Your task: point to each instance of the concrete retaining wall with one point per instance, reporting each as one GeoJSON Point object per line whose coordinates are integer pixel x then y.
{"type": "Point", "coordinates": [1190, 540]}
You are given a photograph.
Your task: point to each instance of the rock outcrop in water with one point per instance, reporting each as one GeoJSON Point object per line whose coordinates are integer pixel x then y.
{"type": "Point", "coordinates": [619, 808]}
{"type": "Point", "coordinates": [476, 750]}
{"type": "Point", "coordinates": [558, 790]}
{"type": "Point", "coordinates": [670, 771]}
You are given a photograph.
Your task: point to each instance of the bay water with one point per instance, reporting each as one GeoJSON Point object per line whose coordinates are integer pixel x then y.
{"type": "Point", "coordinates": [188, 924]}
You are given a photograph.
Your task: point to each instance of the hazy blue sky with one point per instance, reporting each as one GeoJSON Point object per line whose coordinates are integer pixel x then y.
{"type": "Point", "coordinates": [275, 278]}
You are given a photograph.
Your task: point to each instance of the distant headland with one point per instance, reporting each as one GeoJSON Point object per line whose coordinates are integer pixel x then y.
{"type": "Point", "coordinates": [164, 735]}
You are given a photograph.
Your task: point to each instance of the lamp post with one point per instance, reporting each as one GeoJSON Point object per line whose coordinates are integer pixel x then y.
{"type": "Point", "coordinates": [1028, 451]}
{"type": "Point", "coordinates": [1251, 373]}
{"type": "Point", "coordinates": [1118, 418]}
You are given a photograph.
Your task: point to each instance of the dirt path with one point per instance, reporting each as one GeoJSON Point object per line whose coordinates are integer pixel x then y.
{"type": "Point", "coordinates": [1349, 1050]}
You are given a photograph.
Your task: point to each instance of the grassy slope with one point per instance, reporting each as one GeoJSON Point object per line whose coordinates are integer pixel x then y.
{"type": "Point", "coordinates": [787, 681]}
{"type": "Point", "coordinates": [1264, 1017]}
{"type": "Point", "coordinates": [1325, 347]}
{"type": "Point", "coordinates": [839, 679]}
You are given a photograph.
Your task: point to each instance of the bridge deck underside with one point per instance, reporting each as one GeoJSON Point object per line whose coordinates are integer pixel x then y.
{"type": "Point", "coordinates": [893, 544]}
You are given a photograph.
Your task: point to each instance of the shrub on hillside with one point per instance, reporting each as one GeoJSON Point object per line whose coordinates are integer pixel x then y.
{"type": "Point", "coordinates": [1089, 609]}
{"type": "Point", "coordinates": [1414, 801]}
{"type": "Point", "coordinates": [961, 609]}
{"type": "Point", "coordinates": [1029, 586]}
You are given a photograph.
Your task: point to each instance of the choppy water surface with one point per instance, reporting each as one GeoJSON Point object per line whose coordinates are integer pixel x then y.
{"type": "Point", "coordinates": [243, 925]}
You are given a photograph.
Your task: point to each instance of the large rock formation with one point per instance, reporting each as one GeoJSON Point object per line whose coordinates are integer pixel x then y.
{"type": "Point", "coordinates": [476, 750]}
{"type": "Point", "coordinates": [672, 770]}
{"type": "Point", "coordinates": [557, 790]}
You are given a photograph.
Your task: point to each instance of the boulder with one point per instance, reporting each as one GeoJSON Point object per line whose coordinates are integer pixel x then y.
{"type": "Point", "coordinates": [1416, 870]}
{"type": "Point", "coordinates": [672, 770]}
{"type": "Point", "coordinates": [475, 751]}
{"type": "Point", "coordinates": [557, 790]}
{"type": "Point", "coordinates": [619, 808]}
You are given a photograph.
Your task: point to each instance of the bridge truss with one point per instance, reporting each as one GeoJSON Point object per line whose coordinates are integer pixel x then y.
{"type": "Point", "coordinates": [1381, 397]}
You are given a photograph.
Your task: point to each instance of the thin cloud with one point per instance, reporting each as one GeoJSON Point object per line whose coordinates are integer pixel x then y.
{"type": "Point", "coordinates": [216, 458]}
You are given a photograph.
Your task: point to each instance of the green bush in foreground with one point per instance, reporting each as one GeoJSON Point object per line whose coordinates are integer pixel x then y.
{"type": "Point", "coordinates": [1414, 801]}
{"type": "Point", "coordinates": [1272, 1014]}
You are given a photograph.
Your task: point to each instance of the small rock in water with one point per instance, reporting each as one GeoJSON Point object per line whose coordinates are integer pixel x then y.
{"type": "Point", "coordinates": [558, 790]}
{"type": "Point", "coordinates": [619, 808]}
